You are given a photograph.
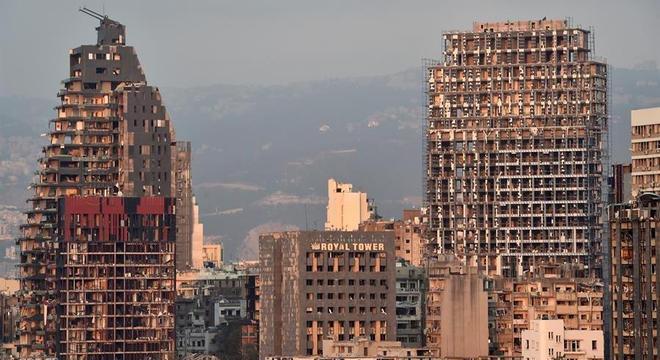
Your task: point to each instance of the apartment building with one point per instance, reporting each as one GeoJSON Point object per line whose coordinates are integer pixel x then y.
{"type": "Point", "coordinates": [325, 284]}
{"type": "Point", "coordinates": [111, 137]}
{"type": "Point", "coordinates": [409, 234]}
{"type": "Point", "coordinates": [410, 304]}
{"type": "Point", "coordinates": [549, 339]}
{"type": "Point", "coordinates": [515, 134]}
{"type": "Point", "coordinates": [634, 278]}
{"type": "Point", "coordinates": [515, 303]}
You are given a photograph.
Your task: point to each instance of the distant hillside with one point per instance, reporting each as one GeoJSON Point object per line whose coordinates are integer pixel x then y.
{"type": "Point", "coordinates": [262, 155]}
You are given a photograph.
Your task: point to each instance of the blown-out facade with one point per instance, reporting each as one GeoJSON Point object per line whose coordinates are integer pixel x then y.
{"type": "Point", "coordinates": [111, 137]}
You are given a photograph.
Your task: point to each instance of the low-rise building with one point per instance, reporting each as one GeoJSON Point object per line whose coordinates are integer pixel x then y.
{"type": "Point", "coordinates": [549, 339]}
{"type": "Point", "coordinates": [212, 306]}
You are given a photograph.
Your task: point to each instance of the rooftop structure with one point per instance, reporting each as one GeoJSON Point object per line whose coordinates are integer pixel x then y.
{"type": "Point", "coordinates": [549, 339]}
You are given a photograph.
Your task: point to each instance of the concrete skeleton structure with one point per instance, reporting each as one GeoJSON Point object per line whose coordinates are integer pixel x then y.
{"type": "Point", "coordinates": [516, 136]}
{"type": "Point", "coordinates": [111, 137]}
{"type": "Point", "coordinates": [346, 208]}
{"type": "Point", "coordinates": [329, 284]}
{"type": "Point", "coordinates": [549, 339]}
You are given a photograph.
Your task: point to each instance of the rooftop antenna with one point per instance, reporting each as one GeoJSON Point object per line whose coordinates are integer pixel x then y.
{"type": "Point", "coordinates": [91, 13]}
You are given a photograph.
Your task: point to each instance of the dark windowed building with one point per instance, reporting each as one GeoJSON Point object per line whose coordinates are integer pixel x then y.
{"type": "Point", "coordinates": [318, 285]}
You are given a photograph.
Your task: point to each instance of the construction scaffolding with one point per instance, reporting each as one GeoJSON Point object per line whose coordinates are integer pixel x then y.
{"type": "Point", "coordinates": [517, 124]}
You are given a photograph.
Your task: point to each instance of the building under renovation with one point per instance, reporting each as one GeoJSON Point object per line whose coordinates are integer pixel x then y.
{"type": "Point", "coordinates": [111, 137]}
{"type": "Point", "coordinates": [517, 116]}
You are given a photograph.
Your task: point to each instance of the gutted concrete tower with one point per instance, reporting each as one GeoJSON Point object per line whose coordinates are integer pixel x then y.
{"type": "Point", "coordinates": [517, 116]}
{"type": "Point", "coordinates": [111, 137]}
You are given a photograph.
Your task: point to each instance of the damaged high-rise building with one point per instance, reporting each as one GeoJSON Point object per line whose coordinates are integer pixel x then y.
{"type": "Point", "coordinates": [99, 276]}
{"type": "Point", "coordinates": [190, 232]}
{"type": "Point", "coordinates": [516, 130]}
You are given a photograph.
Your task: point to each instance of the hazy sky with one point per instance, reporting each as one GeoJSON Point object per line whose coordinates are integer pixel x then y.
{"type": "Point", "coordinates": [190, 43]}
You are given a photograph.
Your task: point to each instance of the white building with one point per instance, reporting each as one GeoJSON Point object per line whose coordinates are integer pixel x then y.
{"type": "Point", "coordinates": [548, 340]}
{"type": "Point", "coordinates": [197, 238]}
{"type": "Point", "coordinates": [645, 150]}
{"type": "Point", "coordinates": [346, 208]}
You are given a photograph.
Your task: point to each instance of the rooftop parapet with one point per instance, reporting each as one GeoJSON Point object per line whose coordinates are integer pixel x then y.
{"type": "Point", "coordinates": [526, 25]}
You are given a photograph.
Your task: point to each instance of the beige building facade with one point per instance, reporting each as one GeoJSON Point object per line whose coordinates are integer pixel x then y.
{"type": "Point", "coordinates": [197, 237]}
{"type": "Point", "coordinates": [456, 310]}
{"type": "Point", "coordinates": [212, 253]}
{"type": "Point", "coordinates": [549, 340]}
{"type": "Point", "coordinates": [346, 208]}
{"type": "Point", "coordinates": [645, 147]}
{"type": "Point", "coordinates": [515, 303]}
